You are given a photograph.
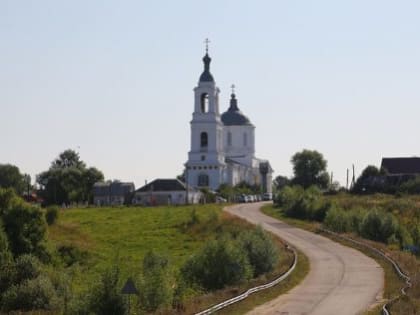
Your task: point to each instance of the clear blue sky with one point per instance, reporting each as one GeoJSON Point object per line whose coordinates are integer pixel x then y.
{"type": "Point", "coordinates": [114, 80]}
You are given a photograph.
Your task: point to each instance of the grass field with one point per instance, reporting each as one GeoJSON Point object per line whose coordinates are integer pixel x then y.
{"type": "Point", "coordinates": [124, 235]}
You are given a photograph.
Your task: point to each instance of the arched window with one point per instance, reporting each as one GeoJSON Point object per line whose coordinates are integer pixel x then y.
{"type": "Point", "coordinates": [204, 140]}
{"type": "Point", "coordinates": [204, 101]}
{"type": "Point", "coordinates": [245, 139]}
{"type": "Point", "coordinates": [203, 180]}
{"type": "Point", "coordinates": [229, 138]}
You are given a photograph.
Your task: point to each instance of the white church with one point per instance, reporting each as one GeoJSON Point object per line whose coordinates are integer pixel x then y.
{"type": "Point", "coordinates": [222, 146]}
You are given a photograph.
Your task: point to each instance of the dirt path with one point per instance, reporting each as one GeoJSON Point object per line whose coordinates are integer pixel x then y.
{"type": "Point", "coordinates": [341, 280]}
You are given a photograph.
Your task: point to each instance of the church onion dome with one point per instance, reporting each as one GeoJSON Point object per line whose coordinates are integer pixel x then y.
{"type": "Point", "coordinates": [233, 116]}
{"type": "Point", "coordinates": [206, 75]}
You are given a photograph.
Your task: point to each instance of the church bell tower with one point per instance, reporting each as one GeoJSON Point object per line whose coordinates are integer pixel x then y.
{"type": "Point", "coordinates": [206, 161]}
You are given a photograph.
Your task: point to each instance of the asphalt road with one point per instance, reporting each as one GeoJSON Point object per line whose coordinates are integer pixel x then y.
{"type": "Point", "coordinates": [341, 280]}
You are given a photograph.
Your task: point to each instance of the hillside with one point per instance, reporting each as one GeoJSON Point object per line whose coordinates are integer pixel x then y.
{"type": "Point", "coordinates": [94, 239]}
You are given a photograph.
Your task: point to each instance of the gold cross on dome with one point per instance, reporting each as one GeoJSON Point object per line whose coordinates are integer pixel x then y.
{"type": "Point", "coordinates": [207, 45]}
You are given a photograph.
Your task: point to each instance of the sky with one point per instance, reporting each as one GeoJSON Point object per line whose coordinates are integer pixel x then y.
{"type": "Point", "coordinates": [114, 80]}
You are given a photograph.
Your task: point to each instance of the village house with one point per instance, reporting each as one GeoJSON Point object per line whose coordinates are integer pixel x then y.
{"type": "Point", "coordinates": [166, 192]}
{"type": "Point", "coordinates": [113, 193]}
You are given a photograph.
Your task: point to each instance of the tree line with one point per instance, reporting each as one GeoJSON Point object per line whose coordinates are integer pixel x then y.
{"type": "Point", "coordinates": [67, 180]}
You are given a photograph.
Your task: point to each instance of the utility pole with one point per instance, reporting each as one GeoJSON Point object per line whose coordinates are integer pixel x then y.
{"type": "Point", "coordinates": [347, 180]}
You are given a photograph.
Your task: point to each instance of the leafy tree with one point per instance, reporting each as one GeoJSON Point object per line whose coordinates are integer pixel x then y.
{"type": "Point", "coordinates": [368, 181]}
{"type": "Point", "coordinates": [155, 287]}
{"type": "Point", "coordinates": [309, 169]}
{"type": "Point", "coordinates": [280, 182]}
{"type": "Point", "coordinates": [10, 177]}
{"type": "Point", "coordinates": [68, 179]}
{"type": "Point", "coordinates": [226, 191]}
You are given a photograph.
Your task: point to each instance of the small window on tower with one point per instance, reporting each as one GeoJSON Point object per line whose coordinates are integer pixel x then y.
{"type": "Point", "coordinates": [229, 138]}
{"type": "Point", "coordinates": [204, 102]}
{"type": "Point", "coordinates": [204, 140]}
{"type": "Point", "coordinates": [245, 139]}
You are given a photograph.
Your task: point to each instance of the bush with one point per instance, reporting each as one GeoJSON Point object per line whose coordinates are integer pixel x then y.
{"type": "Point", "coordinates": [411, 187]}
{"type": "Point", "coordinates": [299, 203]}
{"type": "Point", "coordinates": [262, 253]}
{"type": "Point", "coordinates": [25, 228]}
{"type": "Point", "coordinates": [5, 254]}
{"type": "Point", "coordinates": [218, 264]}
{"type": "Point", "coordinates": [338, 220]}
{"type": "Point", "coordinates": [27, 267]}
{"type": "Point", "coordinates": [155, 288]}
{"type": "Point", "coordinates": [379, 226]}
{"type": "Point", "coordinates": [51, 215]}
{"type": "Point", "coordinates": [71, 255]}
{"type": "Point", "coordinates": [105, 298]}
{"type": "Point", "coordinates": [32, 294]}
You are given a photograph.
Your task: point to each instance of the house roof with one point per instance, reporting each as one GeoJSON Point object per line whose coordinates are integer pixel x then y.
{"type": "Point", "coordinates": [112, 188]}
{"type": "Point", "coordinates": [163, 185]}
{"type": "Point", "coordinates": [402, 165]}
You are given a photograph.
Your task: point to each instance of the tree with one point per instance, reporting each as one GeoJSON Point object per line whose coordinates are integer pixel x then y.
{"type": "Point", "coordinates": [368, 181]}
{"type": "Point", "coordinates": [280, 182]}
{"type": "Point", "coordinates": [309, 169]}
{"type": "Point", "coordinates": [10, 177]}
{"type": "Point", "coordinates": [68, 180]}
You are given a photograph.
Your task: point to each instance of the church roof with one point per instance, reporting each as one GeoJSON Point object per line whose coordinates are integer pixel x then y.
{"type": "Point", "coordinates": [206, 76]}
{"type": "Point", "coordinates": [233, 116]}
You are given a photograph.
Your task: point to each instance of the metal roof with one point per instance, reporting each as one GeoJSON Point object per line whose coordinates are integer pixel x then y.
{"type": "Point", "coordinates": [401, 165]}
{"type": "Point", "coordinates": [233, 116]}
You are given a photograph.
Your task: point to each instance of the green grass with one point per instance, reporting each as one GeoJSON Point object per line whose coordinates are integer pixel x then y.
{"type": "Point", "coordinates": [124, 235]}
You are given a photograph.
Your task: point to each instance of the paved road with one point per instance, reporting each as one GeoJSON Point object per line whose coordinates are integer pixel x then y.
{"type": "Point", "coordinates": [341, 280]}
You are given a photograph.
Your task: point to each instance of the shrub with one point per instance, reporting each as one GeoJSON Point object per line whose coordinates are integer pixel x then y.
{"type": "Point", "coordinates": [51, 214]}
{"type": "Point", "coordinates": [356, 217]}
{"type": "Point", "coordinates": [105, 298]}
{"type": "Point", "coordinates": [404, 236]}
{"type": "Point", "coordinates": [25, 228]}
{"type": "Point", "coordinates": [261, 251]}
{"type": "Point", "coordinates": [71, 255]}
{"type": "Point", "coordinates": [379, 226]}
{"type": "Point", "coordinates": [155, 288]}
{"type": "Point", "coordinates": [32, 294]}
{"type": "Point", "coordinates": [411, 187]}
{"type": "Point", "coordinates": [27, 267]}
{"type": "Point", "coordinates": [288, 196]}
{"type": "Point", "coordinates": [218, 264]}
{"type": "Point", "coordinates": [5, 254]}
{"type": "Point", "coordinates": [338, 220]}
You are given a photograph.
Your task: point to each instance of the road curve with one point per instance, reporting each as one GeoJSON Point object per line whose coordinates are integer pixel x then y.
{"type": "Point", "coordinates": [341, 280]}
